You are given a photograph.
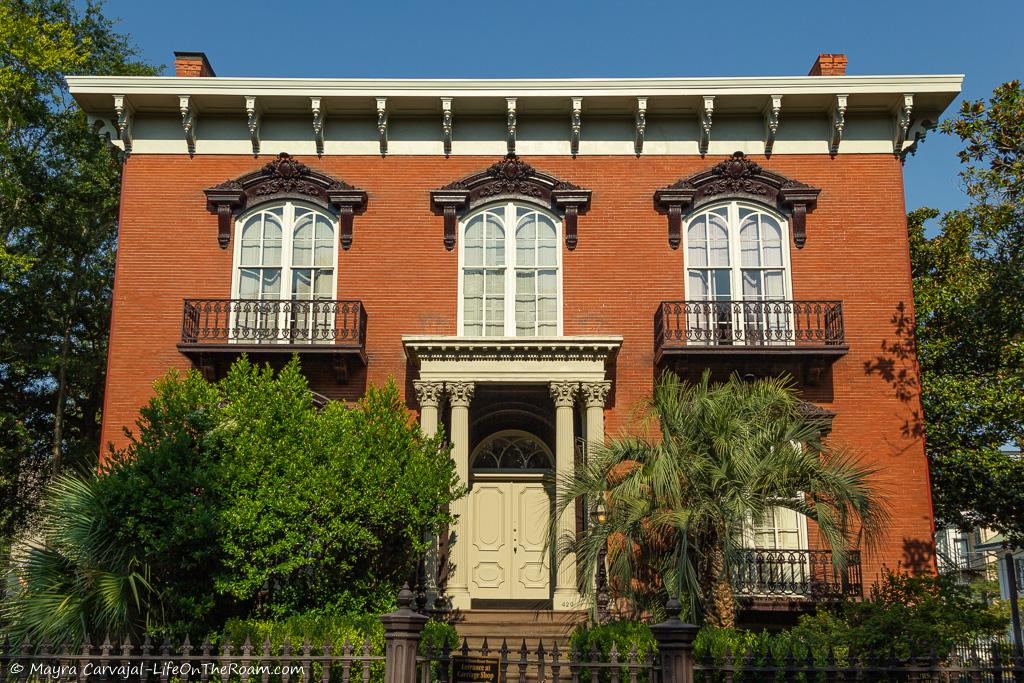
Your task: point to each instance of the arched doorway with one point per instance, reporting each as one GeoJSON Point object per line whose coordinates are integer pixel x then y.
{"type": "Point", "coordinates": [509, 515]}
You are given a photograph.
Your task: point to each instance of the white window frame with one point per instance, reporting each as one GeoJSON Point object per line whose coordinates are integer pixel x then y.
{"type": "Point", "coordinates": [735, 252]}
{"type": "Point", "coordinates": [511, 254]}
{"type": "Point", "coordinates": [287, 228]}
{"type": "Point", "coordinates": [750, 535]}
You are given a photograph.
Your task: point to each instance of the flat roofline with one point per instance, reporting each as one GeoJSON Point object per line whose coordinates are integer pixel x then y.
{"type": "Point", "coordinates": [509, 87]}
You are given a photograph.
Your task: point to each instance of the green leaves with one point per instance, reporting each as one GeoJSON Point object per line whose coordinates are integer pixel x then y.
{"type": "Point", "coordinates": [969, 300]}
{"type": "Point", "coordinates": [681, 496]}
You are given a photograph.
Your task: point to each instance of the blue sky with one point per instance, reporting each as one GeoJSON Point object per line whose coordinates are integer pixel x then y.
{"type": "Point", "coordinates": [601, 38]}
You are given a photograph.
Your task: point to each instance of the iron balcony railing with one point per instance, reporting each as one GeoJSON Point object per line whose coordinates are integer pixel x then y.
{"type": "Point", "coordinates": [323, 322]}
{"type": "Point", "coordinates": [763, 573]}
{"type": "Point", "coordinates": [757, 324]}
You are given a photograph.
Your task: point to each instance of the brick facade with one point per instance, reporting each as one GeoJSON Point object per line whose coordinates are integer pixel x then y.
{"type": "Point", "coordinates": [856, 251]}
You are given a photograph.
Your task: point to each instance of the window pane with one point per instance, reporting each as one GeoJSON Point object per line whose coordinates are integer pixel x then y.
{"type": "Point", "coordinates": [527, 229]}
{"type": "Point", "coordinates": [749, 244]}
{"type": "Point", "coordinates": [474, 283]}
{"type": "Point", "coordinates": [496, 283]}
{"type": "Point", "coordinates": [698, 285]}
{"type": "Point", "coordinates": [525, 253]}
{"type": "Point", "coordinates": [301, 284]}
{"type": "Point", "coordinates": [324, 229]}
{"type": "Point", "coordinates": [697, 229]}
{"type": "Point", "coordinates": [475, 228]}
{"type": "Point", "coordinates": [251, 229]}
{"type": "Point", "coordinates": [547, 308]}
{"type": "Point", "coordinates": [250, 253]}
{"type": "Point", "coordinates": [272, 224]}
{"type": "Point", "coordinates": [302, 252]}
{"type": "Point", "coordinates": [495, 227]}
{"type": "Point", "coordinates": [324, 288]}
{"type": "Point", "coordinates": [271, 283]}
{"type": "Point", "coordinates": [546, 228]}
{"type": "Point", "coordinates": [303, 226]}
{"type": "Point", "coordinates": [773, 284]}
{"type": "Point", "coordinates": [697, 253]}
{"type": "Point", "coordinates": [547, 252]}
{"type": "Point", "coordinates": [324, 253]}
{"type": "Point", "coordinates": [525, 283]}
{"type": "Point", "coordinates": [474, 253]}
{"type": "Point", "coordinates": [549, 329]}
{"type": "Point", "coordinates": [751, 284]}
{"type": "Point", "coordinates": [473, 329]}
{"type": "Point", "coordinates": [721, 284]}
{"type": "Point", "coordinates": [496, 252]}
{"type": "Point", "coordinates": [547, 282]}
{"type": "Point", "coordinates": [473, 309]}
{"type": "Point", "coordinates": [249, 284]}
{"type": "Point", "coordinates": [272, 252]}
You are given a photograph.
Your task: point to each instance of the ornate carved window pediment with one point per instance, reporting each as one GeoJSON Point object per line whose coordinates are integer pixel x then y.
{"type": "Point", "coordinates": [510, 178]}
{"type": "Point", "coordinates": [737, 178]}
{"type": "Point", "coordinates": [284, 178]}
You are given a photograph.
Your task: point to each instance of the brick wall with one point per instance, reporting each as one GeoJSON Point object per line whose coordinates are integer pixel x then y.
{"type": "Point", "coordinates": [856, 251]}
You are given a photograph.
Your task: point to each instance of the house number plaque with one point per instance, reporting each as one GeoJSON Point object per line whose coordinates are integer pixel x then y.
{"type": "Point", "coordinates": [475, 669]}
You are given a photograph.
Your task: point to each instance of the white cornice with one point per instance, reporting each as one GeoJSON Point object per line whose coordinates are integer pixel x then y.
{"type": "Point", "coordinates": [581, 87]}
{"type": "Point", "coordinates": [419, 348]}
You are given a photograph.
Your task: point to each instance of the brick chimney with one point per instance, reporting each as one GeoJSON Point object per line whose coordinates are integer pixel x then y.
{"type": "Point", "coordinates": [829, 65]}
{"type": "Point", "coordinates": [192, 64]}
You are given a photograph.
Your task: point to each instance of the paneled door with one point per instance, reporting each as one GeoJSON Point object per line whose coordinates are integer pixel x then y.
{"type": "Point", "coordinates": [508, 522]}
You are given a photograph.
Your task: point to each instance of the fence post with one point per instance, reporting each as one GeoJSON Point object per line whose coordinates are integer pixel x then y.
{"type": "Point", "coordinates": [675, 645]}
{"type": "Point", "coordinates": [402, 630]}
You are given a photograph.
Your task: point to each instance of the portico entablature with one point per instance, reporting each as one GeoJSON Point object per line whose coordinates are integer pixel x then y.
{"type": "Point", "coordinates": [511, 360]}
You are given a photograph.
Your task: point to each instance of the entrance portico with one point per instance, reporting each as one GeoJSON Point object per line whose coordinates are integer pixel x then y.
{"type": "Point", "coordinates": [571, 369]}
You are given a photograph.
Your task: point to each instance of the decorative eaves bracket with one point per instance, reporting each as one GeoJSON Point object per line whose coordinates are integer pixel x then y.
{"type": "Point", "coordinates": [705, 123]}
{"type": "Point", "coordinates": [902, 124]}
{"type": "Point", "coordinates": [382, 125]}
{"type": "Point", "coordinates": [510, 123]}
{"type": "Point", "coordinates": [188, 122]}
{"type": "Point", "coordinates": [447, 125]}
{"type": "Point", "coordinates": [737, 178]}
{"type": "Point", "coordinates": [511, 178]}
{"type": "Point", "coordinates": [641, 125]}
{"type": "Point", "coordinates": [125, 113]}
{"type": "Point", "coordinates": [253, 114]}
{"type": "Point", "coordinates": [837, 122]}
{"type": "Point", "coordinates": [284, 178]}
{"type": "Point", "coordinates": [319, 118]}
{"type": "Point", "coordinates": [772, 111]}
{"type": "Point", "coordinates": [575, 126]}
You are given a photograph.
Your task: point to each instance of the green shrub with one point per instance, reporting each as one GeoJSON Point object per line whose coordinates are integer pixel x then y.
{"type": "Point", "coordinates": [341, 631]}
{"type": "Point", "coordinates": [623, 634]}
{"type": "Point", "coordinates": [435, 635]}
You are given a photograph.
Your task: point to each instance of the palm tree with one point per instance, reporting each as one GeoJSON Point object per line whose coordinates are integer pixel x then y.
{"type": "Point", "coordinates": [74, 580]}
{"type": "Point", "coordinates": [710, 459]}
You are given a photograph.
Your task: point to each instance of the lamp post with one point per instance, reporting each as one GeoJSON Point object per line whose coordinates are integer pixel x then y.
{"type": "Point", "coordinates": [602, 599]}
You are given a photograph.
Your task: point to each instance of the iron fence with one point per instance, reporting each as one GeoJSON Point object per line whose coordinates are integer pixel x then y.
{"type": "Point", "coordinates": [182, 663]}
{"type": "Point", "coordinates": [273, 321]}
{"type": "Point", "coordinates": [748, 323]}
{"type": "Point", "coordinates": [795, 573]}
{"type": "Point", "coordinates": [553, 663]}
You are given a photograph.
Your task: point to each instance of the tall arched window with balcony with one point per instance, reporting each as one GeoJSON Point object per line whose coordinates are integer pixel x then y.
{"type": "Point", "coordinates": [285, 264]}
{"type": "Point", "coordinates": [510, 262]}
{"type": "Point", "coordinates": [737, 260]}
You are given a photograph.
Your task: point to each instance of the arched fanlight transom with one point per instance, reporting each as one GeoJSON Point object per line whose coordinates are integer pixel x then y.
{"type": "Point", "coordinates": [512, 451]}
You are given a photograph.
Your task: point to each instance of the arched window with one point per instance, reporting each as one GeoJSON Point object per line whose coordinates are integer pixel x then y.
{"type": "Point", "coordinates": [737, 253]}
{"type": "Point", "coordinates": [285, 254]}
{"type": "Point", "coordinates": [512, 450]}
{"type": "Point", "coordinates": [510, 281]}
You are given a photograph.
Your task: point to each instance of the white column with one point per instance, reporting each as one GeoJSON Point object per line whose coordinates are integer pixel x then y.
{"type": "Point", "coordinates": [429, 395]}
{"type": "Point", "coordinates": [564, 395]}
{"type": "Point", "coordinates": [594, 396]}
{"type": "Point", "coordinates": [459, 395]}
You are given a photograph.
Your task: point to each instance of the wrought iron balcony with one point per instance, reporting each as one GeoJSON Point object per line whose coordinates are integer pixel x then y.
{"type": "Point", "coordinates": [795, 574]}
{"type": "Point", "coordinates": [774, 327]}
{"type": "Point", "coordinates": [273, 326]}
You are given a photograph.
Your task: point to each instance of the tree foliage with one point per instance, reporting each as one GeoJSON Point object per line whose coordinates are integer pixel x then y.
{"type": "Point", "coordinates": [241, 499]}
{"type": "Point", "coordinates": [969, 301]}
{"type": "Point", "coordinates": [59, 189]}
{"type": "Point", "coordinates": [680, 497]}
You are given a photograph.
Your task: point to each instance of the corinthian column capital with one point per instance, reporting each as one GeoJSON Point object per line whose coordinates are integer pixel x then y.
{"type": "Point", "coordinates": [564, 393]}
{"type": "Point", "coordinates": [595, 393]}
{"type": "Point", "coordinates": [428, 393]}
{"type": "Point", "coordinates": [460, 394]}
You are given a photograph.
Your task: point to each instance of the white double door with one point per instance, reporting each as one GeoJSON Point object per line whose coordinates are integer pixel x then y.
{"type": "Point", "coordinates": [508, 522]}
